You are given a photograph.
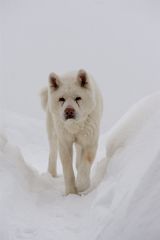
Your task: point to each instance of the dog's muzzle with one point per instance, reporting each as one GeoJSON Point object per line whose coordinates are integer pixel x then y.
{"type": "Point", "coordinates": [69, 113]}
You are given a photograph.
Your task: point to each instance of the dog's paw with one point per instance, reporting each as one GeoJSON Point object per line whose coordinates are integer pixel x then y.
{"type": "Point", "coordinates": [71, 190]}
{"type": "Point", "coordinates": [52, 171]}
{"type": "Point", "coordinates": [83, 184]}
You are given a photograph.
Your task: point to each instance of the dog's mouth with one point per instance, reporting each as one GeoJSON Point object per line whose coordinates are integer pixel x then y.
{"type": "Point", "coordinates": [69, 117]}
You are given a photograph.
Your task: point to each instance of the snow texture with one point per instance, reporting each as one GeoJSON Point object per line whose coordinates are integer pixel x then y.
{"type": "Point", "coordinates": [123, 202]}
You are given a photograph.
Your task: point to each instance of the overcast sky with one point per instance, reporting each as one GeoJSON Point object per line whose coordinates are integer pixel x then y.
{"type": "Point", "coordinates": [117, 41]}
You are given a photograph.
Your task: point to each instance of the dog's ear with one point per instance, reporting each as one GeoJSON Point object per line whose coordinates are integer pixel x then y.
{"type": "Point", "coordinates": [54, 81]}
{"type": "Point", "coordinates": [83, 78]}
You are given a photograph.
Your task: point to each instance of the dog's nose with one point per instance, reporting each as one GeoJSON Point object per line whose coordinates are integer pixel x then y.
{"type": "Point", "coordinates": [69, 113]}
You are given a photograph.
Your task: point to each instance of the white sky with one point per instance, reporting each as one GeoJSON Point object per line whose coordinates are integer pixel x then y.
{"type": "Point", "coordinates": [117, 41]}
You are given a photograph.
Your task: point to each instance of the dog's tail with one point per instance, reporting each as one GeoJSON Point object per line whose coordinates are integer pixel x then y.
{"type": "Point", "coordinates": [44, 98]}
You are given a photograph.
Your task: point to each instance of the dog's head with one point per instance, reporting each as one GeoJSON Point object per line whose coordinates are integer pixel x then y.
{"type": "Point", "coordinates": [71, 96]}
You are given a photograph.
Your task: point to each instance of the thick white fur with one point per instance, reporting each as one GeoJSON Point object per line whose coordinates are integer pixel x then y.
{"type": "Point", "coordinates": [82, 131]}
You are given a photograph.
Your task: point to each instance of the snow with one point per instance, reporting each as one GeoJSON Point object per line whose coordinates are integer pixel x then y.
{"type": "Point", "coordinates": [123, 202]}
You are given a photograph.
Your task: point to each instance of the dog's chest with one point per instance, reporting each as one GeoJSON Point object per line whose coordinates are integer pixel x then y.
{"type": "Point", "coordinates": [82, 134]}
{"type": "Point", "coordinates": [86, 135]}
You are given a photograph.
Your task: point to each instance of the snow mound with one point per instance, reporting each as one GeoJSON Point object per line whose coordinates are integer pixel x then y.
{"type": "Point", "coordinates": [127, 203]}
{"type": "Point", "coordinates": [124, 206]}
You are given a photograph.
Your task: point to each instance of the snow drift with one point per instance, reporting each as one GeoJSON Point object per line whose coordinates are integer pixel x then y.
{"type": "Point", "coordinates": [126, 203]}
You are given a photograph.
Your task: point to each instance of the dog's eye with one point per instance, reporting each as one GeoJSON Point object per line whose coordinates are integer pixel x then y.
{"type": "Point", "coordinates": [61, 99]}
{"type": "Point", "coordinates": [78, 99]}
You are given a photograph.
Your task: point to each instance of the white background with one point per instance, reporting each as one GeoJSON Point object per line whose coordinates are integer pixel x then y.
{"type": "Point", "coordinates": [117, 41]}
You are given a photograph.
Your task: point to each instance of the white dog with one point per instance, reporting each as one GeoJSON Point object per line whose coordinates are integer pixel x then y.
{"type": "Point", "coordinates": [73, 106]}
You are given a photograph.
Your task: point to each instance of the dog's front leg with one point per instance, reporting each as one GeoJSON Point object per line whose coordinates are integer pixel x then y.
{"type": "Point", "coordinates": [52, 137]}
{"type": "Point", "coordinates": [84, 167]}
{"type": "Point", "coordinates": [66, 153]}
